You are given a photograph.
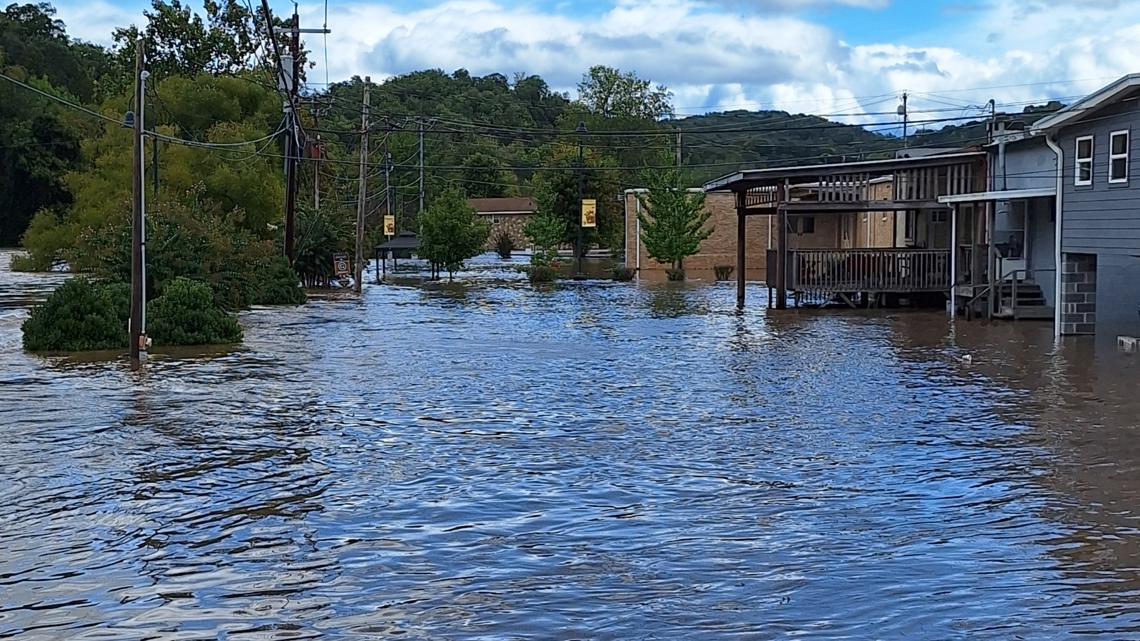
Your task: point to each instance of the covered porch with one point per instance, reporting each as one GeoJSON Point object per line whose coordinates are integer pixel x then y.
{"type": "Point", "coordinates": [1004, 262]}
{"type": "Point", "coordinates": [905, 190]}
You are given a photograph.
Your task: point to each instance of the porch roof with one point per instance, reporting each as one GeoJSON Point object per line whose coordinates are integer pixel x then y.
{"type": "Point", "coordinates": [1008, 194]}
{"type": "Point", "coordinates": [750, 178]}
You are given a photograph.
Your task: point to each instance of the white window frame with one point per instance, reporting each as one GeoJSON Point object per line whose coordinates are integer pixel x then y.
{"type": "Point", "coordinates": [1078, 160]}
{"type": "Point", "coordinates": [1113, 157]}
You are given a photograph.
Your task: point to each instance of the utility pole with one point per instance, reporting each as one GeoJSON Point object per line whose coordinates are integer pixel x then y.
{"type": "Point", "coordinates": [138, 234]}
{"type": "Point", "coordinates": [679, 162]}
{"type": "Point", "coordinates": [293, 144]}
{"type": "Point", "coordinates": [421, 211]}
{"type": "Point", "coordinates": [362, 197]}
{"type": "Point", "coordinates": [580, 248]}
{"type": "Point", "coordinates": [317, 156]}
{"type": "Point", "coordinates": [902, 111]}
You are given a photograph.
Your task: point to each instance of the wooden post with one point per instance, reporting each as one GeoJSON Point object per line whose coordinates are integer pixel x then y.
{"type": "Point", "coordinates": [990, 258]}
{"type": "Point", "coordinates": [741, 248]}
{"type": "Point", "coordinates": [953, 259]}
{"type": "Point", "coordinates": [782, 253]}
{"type": "Point", "coordinates": [362, 198]}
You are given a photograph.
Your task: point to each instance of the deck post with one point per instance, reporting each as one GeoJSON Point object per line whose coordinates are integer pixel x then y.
{"type": "Point", "coordinates": [782, 258]}
{"type": "Point", "coordinates": [741, 221]}
{"type": "Point", "coordinates": [990, 215]}
{"type": "Point", "coordinates": [953, 260]}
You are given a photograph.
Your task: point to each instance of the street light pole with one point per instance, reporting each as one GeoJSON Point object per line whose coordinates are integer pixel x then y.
{"type": "Point", "coordinates": [580, 248]}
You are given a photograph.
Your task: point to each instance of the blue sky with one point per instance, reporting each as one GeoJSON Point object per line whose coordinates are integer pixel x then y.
{"type": "Point", "coordinates": [815, 56]}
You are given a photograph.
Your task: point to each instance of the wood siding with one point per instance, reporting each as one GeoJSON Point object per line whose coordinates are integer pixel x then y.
{"type": "Point", "coordinates": [1103, 218]}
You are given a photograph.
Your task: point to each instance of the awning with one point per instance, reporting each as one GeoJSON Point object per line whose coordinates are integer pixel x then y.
{"type": "Point", "coordinates": [1008, 194]}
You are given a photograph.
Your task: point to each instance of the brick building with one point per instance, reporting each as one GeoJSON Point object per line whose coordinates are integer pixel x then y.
{"type": "Point", "coordinates": [507, 216]}
{"type": "Point", "coordinates": [869, 229]}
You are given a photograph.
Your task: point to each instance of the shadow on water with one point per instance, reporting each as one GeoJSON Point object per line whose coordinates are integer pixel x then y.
{"type": "Point", "coordinates": [487, 460]}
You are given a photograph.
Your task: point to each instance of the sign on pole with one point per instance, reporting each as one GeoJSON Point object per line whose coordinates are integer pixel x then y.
{"type": "Point", "coordinates": [589, 213]}
{"type": "Point", "coordinates": [342, 268]}
{"type": "Point", "coordinates": [389, 226]}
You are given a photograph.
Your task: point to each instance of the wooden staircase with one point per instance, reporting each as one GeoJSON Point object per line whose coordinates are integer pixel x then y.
{"type": "Point", "coordinates": [1029, 305]}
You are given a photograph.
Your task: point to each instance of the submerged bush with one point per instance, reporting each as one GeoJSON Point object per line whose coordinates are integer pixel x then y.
{"type": "Point", "coordinates": [542, 273]}
{"type": "Point", "coordinates": [29, 263]}
{"type": "Point", "coordinates": [622, 273]}
{"type": "Point", "coordinates": [723, 272]}
{"type": "Point", "coordinates": [186, 314]}
{"type": "Point", "coordinates": [504, 245]}
{"type": "Point", "coordinates": [80, 315]}
{"type": "Point", "coordinates": [675, 274]}
{"type": "Point", "coordinates": [278, 284]}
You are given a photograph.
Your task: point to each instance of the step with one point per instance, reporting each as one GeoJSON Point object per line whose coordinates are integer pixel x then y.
{"type": "Point", "coordinates": [1039, 312]}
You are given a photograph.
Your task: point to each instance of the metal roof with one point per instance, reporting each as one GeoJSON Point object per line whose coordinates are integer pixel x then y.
{"type": "Point", "coordinates": [1082, 107]}
{"type": "Point", "coordinates": [758, 177]}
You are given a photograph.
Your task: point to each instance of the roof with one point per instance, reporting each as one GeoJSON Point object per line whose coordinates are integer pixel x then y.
{"type": "Point", "coordinates": [405, 240]}
{"type": "Point", "coordinates": [757, 177]}
{"type": "Point", "coordinates": [502, 205]}
{"type": "Point", "coordinates": [1095, 100]}
{"type": "Point", "coordinates": [1009, 194]}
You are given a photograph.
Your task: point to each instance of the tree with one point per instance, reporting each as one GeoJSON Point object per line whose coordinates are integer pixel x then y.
{"type": "Point", "coordinates": [556, 194]}
{"type": "Point", "coordinates": [483, 176]}
{"type": "Point", "coordinates": [610, 92]}
{"type": "Point", "coordinates": [672, 220]}
{"type": "Point", "coordinates": [545, 231]}
{"type": "Point", "coordinates": [451, 232]}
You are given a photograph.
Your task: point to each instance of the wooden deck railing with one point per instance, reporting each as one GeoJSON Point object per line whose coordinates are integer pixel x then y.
{"type": "Point", "coordinates": [869, 270]}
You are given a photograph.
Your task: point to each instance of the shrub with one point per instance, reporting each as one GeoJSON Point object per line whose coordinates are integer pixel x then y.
{"type": "Point", "coordinates": [451, 232]}
{"type": "Point", "coordinates": [278, 284]}
{"type": "Point", "coordinates": [504, 245]}
{"type": "Point", "coordinates": [542, 273]}
{"type": "Point", "coordinates": [723, 272]}
{"type": "Point", "coordinates": [80, 315]}
{"type": "Point", "coordinates": [29, 263]}
{"type": "Point", "coordinates": [675, 274]}
{"type": "Point", "coordinates": [622, 273]}
{"type": "Point", "coordinates": [186, 314]}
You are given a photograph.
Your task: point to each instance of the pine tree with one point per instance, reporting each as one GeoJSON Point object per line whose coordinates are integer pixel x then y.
{"type": "Point", "coordinates": [672, 220]}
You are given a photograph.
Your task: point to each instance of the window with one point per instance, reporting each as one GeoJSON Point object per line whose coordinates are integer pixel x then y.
{"type": "Point", "coordinates": [1118, 157]}
{"type": "Point", "coordinates": [1084, 174]}
{"type": "Point", "coordinates": [807, 225]}
{"type": "Point", "coordinates": [938, 216]}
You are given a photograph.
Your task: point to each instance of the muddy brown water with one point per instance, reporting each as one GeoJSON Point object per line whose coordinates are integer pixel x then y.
{"type": "Point", "coordinates": [483, 460]}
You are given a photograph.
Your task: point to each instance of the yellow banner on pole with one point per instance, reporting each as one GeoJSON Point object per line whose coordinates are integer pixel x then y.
{"type": "Point", "coordinates": [389, 226]}
{"type": "Point", "coordinates": [589, 213]}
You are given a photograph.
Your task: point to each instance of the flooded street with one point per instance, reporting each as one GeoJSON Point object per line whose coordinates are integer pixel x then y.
{"type": "Point", "coordinates": [596, 461]}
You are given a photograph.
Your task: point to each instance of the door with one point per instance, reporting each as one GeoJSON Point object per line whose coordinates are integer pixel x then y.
{"type": "Point", "coordinates": [1012, 242]}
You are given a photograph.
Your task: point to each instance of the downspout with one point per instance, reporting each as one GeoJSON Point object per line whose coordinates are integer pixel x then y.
{"type": "Point", "coordinates": [1049, 140]}
{"type": "Point", "coordinates": [637, 241]}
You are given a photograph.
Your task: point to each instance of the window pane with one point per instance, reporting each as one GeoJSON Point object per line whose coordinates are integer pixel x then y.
{"type": "Point", "coordinates": [1119, 144]}
{"type": "Point", "coordinates": [1119, 168]}
{"type": "Point", "coordinates": [1084, 171]}
{"type": "Point", "coordinates": [1084, 149]}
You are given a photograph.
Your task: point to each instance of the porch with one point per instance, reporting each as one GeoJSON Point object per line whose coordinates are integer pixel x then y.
{"type": "Point", "coordinates": [907, 190]}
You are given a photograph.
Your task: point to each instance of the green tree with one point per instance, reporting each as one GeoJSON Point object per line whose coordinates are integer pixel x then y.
{"type": "Point", "coordinates": [483, 176]}
{"type": "Point", "coordinates": [611, 92]}
{"type": "Point", "coordinates": [451, 232]}
{"type": "Point", "coordinates": [546, 232]}
{"type": "Point", "coordinates": [672, 220]}
{"type": "Point", "coordinates": [556, 194]}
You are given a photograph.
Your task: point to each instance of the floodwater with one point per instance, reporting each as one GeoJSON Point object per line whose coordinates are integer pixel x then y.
{"type": "Point", "coordinates": [592, 461]}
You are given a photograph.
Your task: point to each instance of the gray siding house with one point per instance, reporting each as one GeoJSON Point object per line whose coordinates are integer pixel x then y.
{"type": "Point", "coordinates": [1095, 140]}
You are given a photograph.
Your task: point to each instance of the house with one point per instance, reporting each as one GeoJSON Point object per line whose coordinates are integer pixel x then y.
{"type": "Point", "coordinates": [865, 229]}
{"type": "Point", "coordinates": [1097, 209]}
{"type": "Point", "coordinates": [1008, 272]}
{"type": "Point", "coordinates": [916, 263]}
{"type": "Point", "coordinates": [507, 216]}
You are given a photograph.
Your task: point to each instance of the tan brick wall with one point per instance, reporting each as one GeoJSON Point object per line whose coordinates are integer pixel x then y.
{"type": "Point", "coordinates": [512, 224]}
{"type": "Point", "coordinates": [717, 249]}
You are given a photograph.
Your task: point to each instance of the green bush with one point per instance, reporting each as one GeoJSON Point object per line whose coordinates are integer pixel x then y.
{"type": "Point", "coordinates": [504, 245]}
{"type": "Point", "coordinates": [80, 315]}
{"type": "Point", "coordinates": [542, 273]}
{"type": "Point", "coordinates": [29, 263]}
{"type": "Point", "coordinates": [622, 273]}
{"type": "Point", "coordinates": [723, 272]}
{"type": "Point", "coordinates": [675, 274]}
{"type": "Point", "coordinates": [278, 284]}
{"type": "Point", "coordinates": [186, 314]}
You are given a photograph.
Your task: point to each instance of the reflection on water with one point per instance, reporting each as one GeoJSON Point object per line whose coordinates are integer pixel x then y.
{"type": "Point", "coordinates": [595, 460]}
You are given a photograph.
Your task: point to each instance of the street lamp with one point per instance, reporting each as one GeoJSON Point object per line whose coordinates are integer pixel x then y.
{"type": "Point", "coordinates": [581, 131]}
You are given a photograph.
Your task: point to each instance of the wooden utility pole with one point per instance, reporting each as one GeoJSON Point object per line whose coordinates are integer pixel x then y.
{"type": "Point", "coordinates": [679, 148]}
{"type": "Point", "coordinates": [292, 144]}
{"type": "Point", "coordinates": [421, 211]}
{"type": "Point", "coordinates": [358, 269]}
{"type": "Point", "coordinates": [138, 237]}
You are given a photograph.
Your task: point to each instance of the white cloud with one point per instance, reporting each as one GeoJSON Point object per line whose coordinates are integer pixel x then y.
{"type": "Point", "coordinates": [729, 53]}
